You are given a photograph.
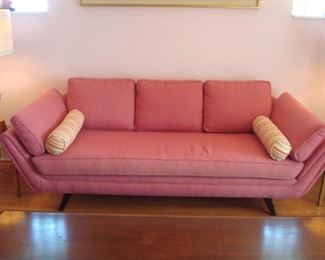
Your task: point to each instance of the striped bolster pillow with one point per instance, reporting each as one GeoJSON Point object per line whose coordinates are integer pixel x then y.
{"type": "Point", "coordinates": [276, 144]}
{"type": "Point", "coordinates": [63, 136]}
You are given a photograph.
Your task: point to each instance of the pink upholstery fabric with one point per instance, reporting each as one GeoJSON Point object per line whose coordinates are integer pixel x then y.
{"type": "Point", "coordinates": [304, 131]}
{"type": "Point", "coordinates": [175, 180]}
{"type": "Point", "coordinates": [169, 105]}
{"type": "Point", "coordinates": [106, 103]}
{"type": "Point", "coordinates": [173, 164]}
{"type": "Point", "coordinates": [35, 122]}
{"type": "Point", "coordinates": [20, 157]}
{"type": "Point", "coordinates": [314, 168]}
{"type": "Point", "coordinates": [167, 154]}
{"type": "Point", "coordinates": [231, 106]}
{"type": "Point", "coordinates": [163, 185]}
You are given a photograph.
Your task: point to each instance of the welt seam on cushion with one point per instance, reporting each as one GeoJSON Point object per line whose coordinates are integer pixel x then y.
{"type": "Point", "coordinates": [161, 175]}
{"type": "Point", "coordinates": [168, 176]}
{"type": "Point", "coordinates": [173, 183]}
{"type": "Point", "coordinates": [186, 184]}
{"type": "Point", "coordinates": [47, 177]}
{"type": "Point", "coordinates": [167, 160]}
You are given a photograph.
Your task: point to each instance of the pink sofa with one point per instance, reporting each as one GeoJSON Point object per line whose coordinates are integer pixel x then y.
{"type": "Point", "coordinates": [168, 138]}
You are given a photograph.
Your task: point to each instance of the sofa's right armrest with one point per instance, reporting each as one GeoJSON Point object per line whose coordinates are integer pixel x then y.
{"type": "Point", "coordinates": [303, 129]}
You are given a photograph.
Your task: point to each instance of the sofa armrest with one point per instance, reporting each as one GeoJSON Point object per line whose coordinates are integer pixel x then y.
{"type": "Point", "coordinates": [20, 157]}
{"type": "Point", "coordinates": [313, 169]}
{"type": "Point", "coordinates": [303, 129]}
{"type": "Point", "coordinates": [36, 121]}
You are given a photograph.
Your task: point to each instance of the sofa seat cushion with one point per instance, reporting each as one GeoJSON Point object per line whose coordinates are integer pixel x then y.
{"type": "Point", "coordinates": [96, 152]}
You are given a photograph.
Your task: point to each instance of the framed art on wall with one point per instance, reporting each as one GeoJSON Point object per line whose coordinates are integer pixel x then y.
{"type": "Point", "coordinates": [176, 3]}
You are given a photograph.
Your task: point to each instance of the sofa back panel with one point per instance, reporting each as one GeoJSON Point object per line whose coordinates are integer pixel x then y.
{"type": "Point", "coordinates": [231, 106]}
{"type": "Point", "coordinates": [35, 122]}
{"type": "Point", "coordinates": [169, 105]}
{"type": "Point", "coordinates": [106, 103]}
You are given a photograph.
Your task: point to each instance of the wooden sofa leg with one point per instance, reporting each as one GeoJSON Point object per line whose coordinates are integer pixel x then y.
{"type": "Point", "coordinates": [64, 201]}
{"type": "Point", "coordinates": [322, 192]}
{"type": "Point", "coordinates": [270, 206]}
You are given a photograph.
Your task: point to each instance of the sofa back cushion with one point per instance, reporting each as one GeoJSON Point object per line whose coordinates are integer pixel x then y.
{"type": "Point", "coordinates": [169, 105]}
{"type": "Point", "coordinates": [304, 130]}
{"type": "Point", "coordinates": [106, 103]}
{"type": "Point", "coordinates": [34, 123]}
{"type": "Point", "coordinates": [231, 106]}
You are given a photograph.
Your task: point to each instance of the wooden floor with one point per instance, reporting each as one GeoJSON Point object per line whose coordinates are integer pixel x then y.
{"type": "Point", "coordinates": [158, 206]}
{"type": "Point", "coordinates": [92, 236]}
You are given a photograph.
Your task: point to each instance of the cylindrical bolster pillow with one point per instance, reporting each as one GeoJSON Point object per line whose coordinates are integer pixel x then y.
{"type": "Point", "coordinates": [276, 144]}
{"type": "Point", "coordinates": [63, 136]}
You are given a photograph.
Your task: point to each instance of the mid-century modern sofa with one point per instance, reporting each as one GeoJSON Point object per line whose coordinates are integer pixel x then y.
{"type": "Point", "coordinates": [167, 138]}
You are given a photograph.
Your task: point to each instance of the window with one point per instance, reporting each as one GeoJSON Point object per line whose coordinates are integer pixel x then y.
{"type": "Point", "coordinates": [308, 8]}
{"type": "Point", "coordinates": [31, 6]}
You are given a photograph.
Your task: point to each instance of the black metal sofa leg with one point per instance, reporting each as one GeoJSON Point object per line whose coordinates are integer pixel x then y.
{"type": "Point", "coordinates": [269, 204]}
{"type": "Point", "coordinates": [64, 201]}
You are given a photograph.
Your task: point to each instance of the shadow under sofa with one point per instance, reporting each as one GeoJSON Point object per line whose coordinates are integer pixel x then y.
{"type": "Point", "coordinates": [167, 138]}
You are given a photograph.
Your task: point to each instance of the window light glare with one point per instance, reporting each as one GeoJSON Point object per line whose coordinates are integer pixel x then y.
{"type": "Point", "coordinates": [309, 8]}
{"type": "Point", "coordinates": [31, 6]}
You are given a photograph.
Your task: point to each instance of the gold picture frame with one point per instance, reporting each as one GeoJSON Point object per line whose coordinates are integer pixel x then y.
{"type": "Point", "coordinates": [176, 3]}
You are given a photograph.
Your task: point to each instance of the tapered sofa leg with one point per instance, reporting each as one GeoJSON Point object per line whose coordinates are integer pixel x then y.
{"type": "Point", "coordinates": [64, 201]}
{"type": "Point", "coordinates": [270, 206]}
{"type": "Point", "coordinates": [322, 192]}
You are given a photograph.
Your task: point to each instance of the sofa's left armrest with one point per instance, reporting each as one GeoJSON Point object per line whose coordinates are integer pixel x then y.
{"type": "Point", "coordinates": [34, 123]}
{"type": "Point", "coordinates": [303, 129]}
{"type": "Point", "coordinates": [18, 154]}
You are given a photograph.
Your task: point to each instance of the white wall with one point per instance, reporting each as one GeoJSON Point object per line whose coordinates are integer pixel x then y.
{"type": "Point", "coordinates": [170, 43]}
